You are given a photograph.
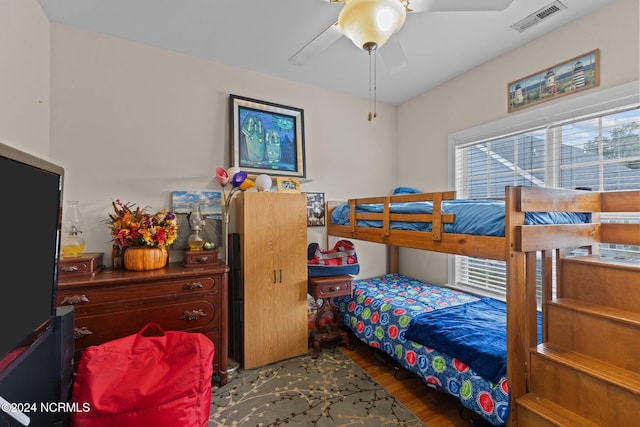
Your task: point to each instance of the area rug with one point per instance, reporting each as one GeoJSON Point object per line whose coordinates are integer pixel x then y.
{"type": "Point", "coordinates": [331, 390]}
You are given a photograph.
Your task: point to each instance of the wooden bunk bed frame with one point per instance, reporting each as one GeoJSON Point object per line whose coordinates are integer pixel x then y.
{"type": "Point", "coordinates": [518, 248]}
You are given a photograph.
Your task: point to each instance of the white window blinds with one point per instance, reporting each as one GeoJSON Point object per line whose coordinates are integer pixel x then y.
{"type": "Point", "coordinates": [600, 152]}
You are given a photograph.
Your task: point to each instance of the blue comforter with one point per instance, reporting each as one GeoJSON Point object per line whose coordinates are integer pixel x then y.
{"type": "Point", "coordinates": [478, 217]}
{"type": "Point", "coordinates": [476, 333]}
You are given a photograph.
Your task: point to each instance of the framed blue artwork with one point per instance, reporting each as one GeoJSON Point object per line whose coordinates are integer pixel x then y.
{"type": "Point", "coordinates": [266, 138]}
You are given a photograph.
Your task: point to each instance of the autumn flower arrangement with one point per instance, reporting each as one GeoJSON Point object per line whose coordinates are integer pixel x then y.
{"type": "Point", "coordinates": [133, 226]}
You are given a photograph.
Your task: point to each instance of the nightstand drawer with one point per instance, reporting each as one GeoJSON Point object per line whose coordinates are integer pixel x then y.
{"type": "Point", "coordinates": [334, 290]}
{"type": "Point", "coordinates": [329, 286]}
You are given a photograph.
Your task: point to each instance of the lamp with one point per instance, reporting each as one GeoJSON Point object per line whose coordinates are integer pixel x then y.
{"type": "Point", "coordinates": [263, 182]}
{"type": "Point", "coordinates": [239, 181]}
{"type": "Point", "coordinates": [195, 241]}
{"type": "Point", "coordinates": [369, 24]}
{"type": "Point", "coordinates": [72, 245]}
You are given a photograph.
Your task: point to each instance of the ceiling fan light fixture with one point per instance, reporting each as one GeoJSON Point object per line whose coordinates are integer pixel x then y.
{"type": "Point", "coordinates": [370, 23]}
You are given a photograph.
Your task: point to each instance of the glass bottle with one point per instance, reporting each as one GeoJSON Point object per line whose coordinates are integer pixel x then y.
{"type": "Point", "coordinates": [195, 240]}
{"type": "Point", "coordinates": [72, 244]}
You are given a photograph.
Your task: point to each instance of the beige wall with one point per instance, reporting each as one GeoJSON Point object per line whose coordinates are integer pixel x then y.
{"type": "Point", "coordinates": [24, 76]}
{"type": "Point", "coordinates": [480, 96]}
{"type": "Point", "coordinates": [135, 122]}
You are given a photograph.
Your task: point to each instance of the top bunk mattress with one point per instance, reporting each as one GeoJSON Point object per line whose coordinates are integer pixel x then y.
{"type": "Point", "coordinates": [477, 217]}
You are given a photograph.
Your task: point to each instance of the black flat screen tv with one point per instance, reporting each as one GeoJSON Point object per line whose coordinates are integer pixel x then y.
{"type": "Point", "coordinates": [30, 232]}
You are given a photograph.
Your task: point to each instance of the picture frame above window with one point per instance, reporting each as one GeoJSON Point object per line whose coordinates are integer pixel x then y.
{"type": "Point", "coordinates": [574, 75]}
{"type": "Point", "coordinates": [266, 138]}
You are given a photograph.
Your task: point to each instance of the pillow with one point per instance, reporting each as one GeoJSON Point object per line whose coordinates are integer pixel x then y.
{"type": "Point", "coordinates": [405, 190]}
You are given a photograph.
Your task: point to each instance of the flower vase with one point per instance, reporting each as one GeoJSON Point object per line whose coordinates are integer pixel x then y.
{"type": "Point", "coordinates": [145, 258]}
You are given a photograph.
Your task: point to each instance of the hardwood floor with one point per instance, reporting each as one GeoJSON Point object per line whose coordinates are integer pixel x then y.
{"type": "Point", "coordinates": [434, 408]}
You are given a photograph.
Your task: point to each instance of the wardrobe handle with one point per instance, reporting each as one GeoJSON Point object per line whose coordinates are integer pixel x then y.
{"type": "Point", "coordinates": [274, 276]}
{"type": "Point", "coordinates": [280, 275]}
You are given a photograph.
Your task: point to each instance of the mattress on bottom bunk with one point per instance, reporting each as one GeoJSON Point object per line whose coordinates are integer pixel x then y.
{"type": "Point", "coordinates": [475, 332]}
{"type": "Point", "coordinates": [476, 217]}
{"type": "Point", "coordinates": [381, 310]}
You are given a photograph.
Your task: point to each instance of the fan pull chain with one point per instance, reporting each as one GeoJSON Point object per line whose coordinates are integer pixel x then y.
{"type": "Point", "coordinates": [373, 67]}
{"type": "Point", "coordinates": [375, 83]}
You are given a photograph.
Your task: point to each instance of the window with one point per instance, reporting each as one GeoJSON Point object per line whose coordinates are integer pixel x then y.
{"type": "Point", "coordinates": [598, 151]}
{"type": "Point", "coordinates": [602, 153]}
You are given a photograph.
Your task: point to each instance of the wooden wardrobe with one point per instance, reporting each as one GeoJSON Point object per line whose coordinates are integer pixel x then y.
{"type": "Point", "coordinates": [273, 259]}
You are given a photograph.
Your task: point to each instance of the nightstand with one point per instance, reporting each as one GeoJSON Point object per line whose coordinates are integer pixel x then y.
{"type": "Point", "coordinates": [326, 288]}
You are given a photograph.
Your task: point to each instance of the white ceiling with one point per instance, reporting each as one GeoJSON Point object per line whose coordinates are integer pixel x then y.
{"type": "Point", "coordinates": [262, 35]}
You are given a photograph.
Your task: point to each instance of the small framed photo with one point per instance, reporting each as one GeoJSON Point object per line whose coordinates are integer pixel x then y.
{"type": "Point", "coordinates": [288, 185]}
{"type": "Point", "coordinates": [315, 210]}
{"type": "Point", "coordinates": [266, 138]}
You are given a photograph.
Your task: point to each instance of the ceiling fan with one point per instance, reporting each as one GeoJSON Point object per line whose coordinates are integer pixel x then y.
{"type": "Point", "coordinates": [362, 19]}
{"type": "Point", "coordinates": [372, 23]}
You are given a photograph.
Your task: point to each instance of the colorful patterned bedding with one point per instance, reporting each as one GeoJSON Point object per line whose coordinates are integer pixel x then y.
{"type": "Point", "coordinates": [475, 332]}
{"type": "Point", "coordinates": [380, 312]}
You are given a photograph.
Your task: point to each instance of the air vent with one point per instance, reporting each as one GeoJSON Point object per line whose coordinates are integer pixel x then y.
{"type": "Point", "coordinates": [538, 16]}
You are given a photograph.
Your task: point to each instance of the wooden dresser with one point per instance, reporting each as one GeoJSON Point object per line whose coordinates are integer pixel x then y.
{"type": "Point", "coordinates": [116, 303]}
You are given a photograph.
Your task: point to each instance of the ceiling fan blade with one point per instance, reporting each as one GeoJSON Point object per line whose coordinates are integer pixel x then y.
{"type": "Point", "coordinates": [392, 55]}
{"type": "Point", "coordinates": [317, 45]}
{"type": "Point", "coordinates": [458, 5]}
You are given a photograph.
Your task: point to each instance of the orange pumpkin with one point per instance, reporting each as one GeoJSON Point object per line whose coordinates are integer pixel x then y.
{"type": "Point", "coordinates": [145, 258]}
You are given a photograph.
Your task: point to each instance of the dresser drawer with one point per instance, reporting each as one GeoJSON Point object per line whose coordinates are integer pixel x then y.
{"type": "Point", "coordinates": [214, 336]}
{"type": "Point", "coordinates": [190, 315]}
{"type": "Point", "coordinates": [122, 293]}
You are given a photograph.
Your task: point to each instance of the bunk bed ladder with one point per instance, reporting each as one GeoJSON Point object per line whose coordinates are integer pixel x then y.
{"type": "Point", "coordinates": [586, 372]}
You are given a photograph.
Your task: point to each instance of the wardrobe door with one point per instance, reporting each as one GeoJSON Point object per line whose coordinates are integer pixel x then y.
{"type": "Point", "coordinates": [290, 258]}
{"type": "Point", "coordinates": [272, 230]}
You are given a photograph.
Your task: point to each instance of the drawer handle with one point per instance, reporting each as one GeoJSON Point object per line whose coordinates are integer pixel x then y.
{"type": "Point", "coordinates": [194, 285]}
{"type": "Point", "coordinates": [81, 332]}
{"type": "Point", "coordinates": [193, 314]}
{"type": "Point", "coordinates": [203, 259]}
{"type": "Point", "coordinates": [69, 269]}
{"type": "Point", "coordinates": [334, 288]}
{"type": "Point", "coordinates": [74, 299]}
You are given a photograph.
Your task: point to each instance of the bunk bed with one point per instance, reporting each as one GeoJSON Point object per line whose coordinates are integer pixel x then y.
{"type": "Point", "coordinates": [519, 241]}
{"type": "Point", "coordinates": [381, 312]}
